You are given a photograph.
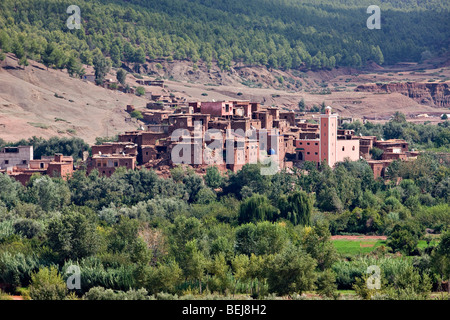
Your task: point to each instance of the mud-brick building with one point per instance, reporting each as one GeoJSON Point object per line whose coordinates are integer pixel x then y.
{"type": "Point", "coordinates": [54, 166]}
{"type": "Point", "coordinates": [106, 164]}
{"type": "Point", "coordinates": [330, 144]}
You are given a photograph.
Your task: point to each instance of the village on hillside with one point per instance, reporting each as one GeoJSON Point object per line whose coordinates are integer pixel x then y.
{"type": "Point", "coordinates": [247, 132]}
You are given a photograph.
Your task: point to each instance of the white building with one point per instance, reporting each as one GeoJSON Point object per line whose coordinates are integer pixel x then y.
{"type": "Point", "coordinates": [16, 157]}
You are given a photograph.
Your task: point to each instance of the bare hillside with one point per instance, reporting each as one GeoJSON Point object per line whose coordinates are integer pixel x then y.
{"type": "Point", "coordinates": [38, 102]}
{"type": "Point", "coordinates": [41, 102]}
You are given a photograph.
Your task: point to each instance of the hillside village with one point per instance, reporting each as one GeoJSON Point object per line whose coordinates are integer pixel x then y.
{"type": "Point", "coordinates": [248, 132]}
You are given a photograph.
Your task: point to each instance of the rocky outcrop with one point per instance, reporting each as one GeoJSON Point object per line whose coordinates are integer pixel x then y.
{"type": "Point", "coordinates": [427, 93]}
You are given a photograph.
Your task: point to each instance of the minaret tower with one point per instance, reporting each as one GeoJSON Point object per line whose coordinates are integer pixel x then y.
{"type": "Point", "coordinates": [328, 137]}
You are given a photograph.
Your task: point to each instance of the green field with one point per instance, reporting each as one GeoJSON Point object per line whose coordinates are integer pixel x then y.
{"type": "Point", "coordinates": [366, 246]}
{"type": "Point", "coordinates": [356, 246]}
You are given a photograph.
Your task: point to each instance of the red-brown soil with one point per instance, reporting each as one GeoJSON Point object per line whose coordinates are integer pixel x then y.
{"type": "Point", "coordinates": [38, 102]}
{"type": "Point", "coordinates": [358, 238]}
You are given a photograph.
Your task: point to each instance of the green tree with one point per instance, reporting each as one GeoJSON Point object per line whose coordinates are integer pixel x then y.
{"type": "Point", "coordinates": [194, 263]}
{"type": "Point", "coordinates": [121, 76]}
{"type": "Point", "coordinates": [72, 236]}
{"type": "Point", "coordinates": [398, 117]}
{"type": "Point", "coordinates": [73, 66]}
{"type": "Point", "coordinates": [408, 284]}
{"type": "Point", "coordinates": [376, 153]}
{"type": "Point", "coordinates": [28, 228]}
{"type": "Point", "coordinates": [49, 193]}
{"type": "Point", "coordinates": [296, 207]}
{"type": "Point", "coordinates": [302, 105]}
{"type": "Point", "coordinates": [140, 91]}
{"type": "Point", "coordinates": [240, 265]}
{"type": "Point", "coordinates": [47, 284]}
{"type": "Point", "coordinates": [139, 56]}
{"type": "Point", "coordinates": [137, 114]}
{"type": "Point", "coordinates": [257, 208]}
{"type": "Point", "coordinates": [102, 66]}
{"type": "Point", "coordinates": [10, 191]}
{"type": "Point", "coordinates": [213, 178]}
{"type": "Point", "coordinates": [326, 283]}
{"type": "Point", "coordinates": [402, 239]}
{"type": "Point", "coordinates": [220, 270]}
{"type": "Point", "coordinates": [18, 49]}
{"type": "Point", "coordinates": [441, 257]}
{"type": "Point", "coordinates": [316, 242]}
{"type": "Point", "coordinates": [291, 271]}
{"type": "Point", "coordinates": [23, 62]}
{"type": "Point", "coordinates": [260, 239]}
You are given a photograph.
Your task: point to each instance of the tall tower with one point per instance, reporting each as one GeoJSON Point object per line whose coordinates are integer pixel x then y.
{"type": "Point", "coordinates": [328, 137]}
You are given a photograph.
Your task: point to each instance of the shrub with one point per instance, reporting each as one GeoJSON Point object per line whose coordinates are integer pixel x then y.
{"type": "Point", "coordinates": [28, 228]}
{"type": "Point", "coordinates": [291, 270]}
{"type": "Point", "coordinates": [137, 114]}
{"type": "Point", "coordinates": [47, 284]}
{"type": "Point", "coordinates": [100, 293]}
{"type": "Point", "coordinates": [140, 91]}
{"type": "Point", "coordinates": [257, 208]}
{"type": "Point", "coordinates": [16, 269]}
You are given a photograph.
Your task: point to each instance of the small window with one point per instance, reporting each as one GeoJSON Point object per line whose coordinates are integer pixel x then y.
{"type": "Point", "coordinates": [6, 161]}
{"type": "Point", "coordinates": [307, 153]}
{"type": "Point", "coordinates": [24, 161]}
{"type": "Point", "coordinates": [99, 164]}
{"type": "Point", "coordinates": [146, 153]}
{"type": "Point", "coordinates": [116, 164]}
{"type": "Point", "coordinates": [343, 148]}
{"type": "Point", "coordinates": [353, 148]}
{"type": "Point", "coordinates": [307, 143]}
{"type": "Point", "coordinates": [316, 143]}
{"type": "Point", "coordinates": [316, 153]}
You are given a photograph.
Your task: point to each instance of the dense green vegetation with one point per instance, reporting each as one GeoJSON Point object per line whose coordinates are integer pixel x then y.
{"type": "Point", "coordinates": [67, 146]}
{"type": "Point", "coordinates": [419, 136]}
{"type": "Point", "coordinates": [279, 34]}
{"type": "Point", "coordinates": [136, 235]}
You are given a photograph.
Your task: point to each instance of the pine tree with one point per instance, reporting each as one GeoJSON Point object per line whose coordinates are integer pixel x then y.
{"type": "Point", "coordinates": [121, 76]}
{"type": "Point", "coordinates": [23, 62]}
{"type": "Point", "coordinates": [101, 67]}
{"type": "Point", "coordinates": [302, 105]}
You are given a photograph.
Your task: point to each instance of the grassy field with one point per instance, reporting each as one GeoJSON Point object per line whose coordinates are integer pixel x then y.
{"type": "Point", "coordinates": [366, 246]}
{"type": "Point", "coordinates": [357, 246]}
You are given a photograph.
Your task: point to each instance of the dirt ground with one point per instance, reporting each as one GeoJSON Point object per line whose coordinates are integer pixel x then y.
{"type": "Point", "coordinates": [38, 102]}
